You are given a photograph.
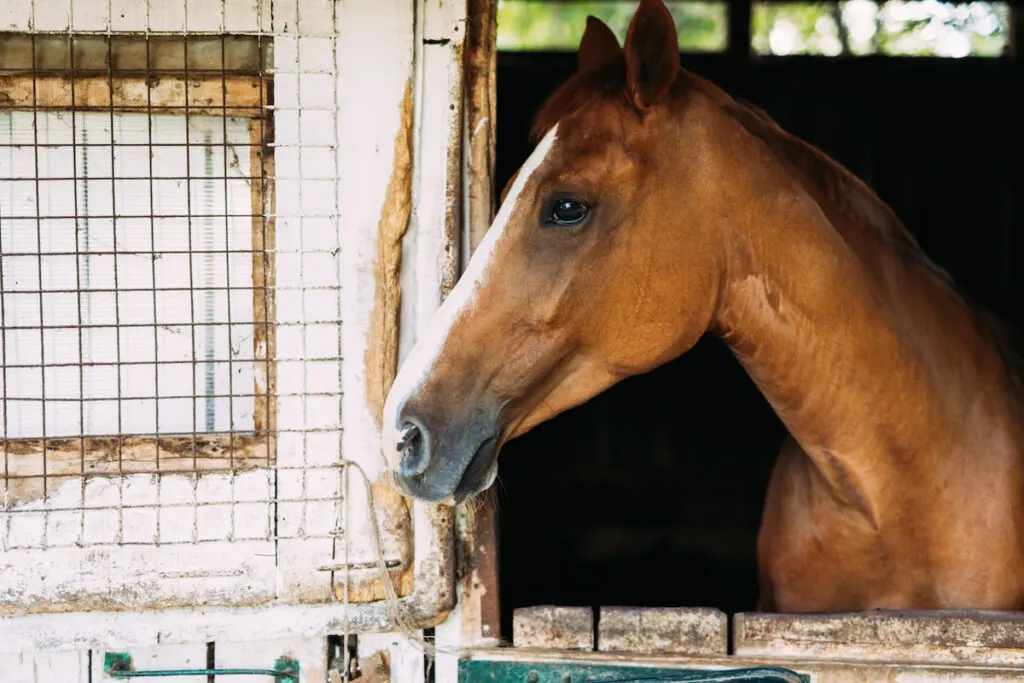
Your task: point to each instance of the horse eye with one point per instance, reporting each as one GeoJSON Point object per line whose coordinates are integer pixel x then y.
{"type": "Point", "coordinates": [568, 212]}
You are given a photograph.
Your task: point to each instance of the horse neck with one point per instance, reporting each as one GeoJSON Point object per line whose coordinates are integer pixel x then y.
{"type": "Point", "coordinates": [873, 364]}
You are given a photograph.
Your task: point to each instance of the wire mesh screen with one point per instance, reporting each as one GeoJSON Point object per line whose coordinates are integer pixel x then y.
{"type": "Point", "coordinates": [113, 300]}
{"type": "Point", "coordinates": [133, 270]}
{"type": "Point", "coordinates": [170, 302]}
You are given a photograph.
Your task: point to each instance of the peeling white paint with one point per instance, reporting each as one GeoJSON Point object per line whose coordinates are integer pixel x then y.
{"type": "Point", "coordinates": [120, 630]}
{"type": "Point", "coordinates": [154, 546]}
{"type": "Point", "coordinates": [133, 542]}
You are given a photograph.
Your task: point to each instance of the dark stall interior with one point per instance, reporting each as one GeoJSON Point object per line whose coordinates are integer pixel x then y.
{"type": "Point", "coordinates": [651, 493]}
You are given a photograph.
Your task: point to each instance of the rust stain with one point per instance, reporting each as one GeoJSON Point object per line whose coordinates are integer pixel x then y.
{"type": "Point", "coordinates": [26, 474]}
{"type": "Point", "coordinates": [481, 86]}
{"type": "Point", "coordinates": [126, 597]}
{"type": "Point", "coordinates": [453, 186]}
{"type": "Point", "coordinates": [476, 553]}
{"type": "Point", "coordinates": [382, 346]}
{"type": "Point", "coordinates": [214, 95]}
{"type": "Point", "coordinates": [264, 268]}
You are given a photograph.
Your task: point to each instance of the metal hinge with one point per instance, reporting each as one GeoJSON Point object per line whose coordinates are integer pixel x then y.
{"type": "Point", "coordinates": [119, 665]}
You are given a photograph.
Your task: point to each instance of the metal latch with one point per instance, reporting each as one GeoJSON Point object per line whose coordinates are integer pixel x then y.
{"type": "Point", "coordinates": [119, 665]}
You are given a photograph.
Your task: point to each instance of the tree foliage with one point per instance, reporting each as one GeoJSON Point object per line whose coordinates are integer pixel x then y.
{"type": "Point", "coordinates": [857, 27]}
{"type": "Point", "coordinates": [547, 25]}
{"type": "Point", "coordinates": [897, 27]}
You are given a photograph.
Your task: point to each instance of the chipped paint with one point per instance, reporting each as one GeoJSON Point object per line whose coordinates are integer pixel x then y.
{"type": "Point", "coordinates": [66, 552]}
{"type": "Point", "coordinates": [264, 279]}
{"type": "Point", "coordinates": [481, 119]}
{"type": "Point", "coordinates": [204, 95]}
{"type": "Point", "coordinates": [432, 591]}
{"type": "Point", "coordinates": [69, 459]}
{"type": "Point", "coordinates": [174, 587]}
{"type": "Point", "coordinates": [257, 586]}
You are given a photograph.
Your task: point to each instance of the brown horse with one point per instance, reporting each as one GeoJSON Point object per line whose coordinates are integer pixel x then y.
{"type": "Point", "coordinates": [656, 208]}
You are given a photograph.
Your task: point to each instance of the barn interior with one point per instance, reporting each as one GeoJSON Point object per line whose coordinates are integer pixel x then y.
{"type": "Point", "coordinates": [651, 493]}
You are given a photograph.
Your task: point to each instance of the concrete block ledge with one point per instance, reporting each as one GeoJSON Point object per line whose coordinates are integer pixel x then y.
{"type": "Point", "coordinates": [669, 630]}
{"type": "Point", "coordinates": [952, 637]}
{"type": "Point", "coordinates": [553, 628]}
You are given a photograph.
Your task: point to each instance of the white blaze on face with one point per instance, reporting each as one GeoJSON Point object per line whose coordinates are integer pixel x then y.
{"type": "Point", "coordinates": [420, 362]}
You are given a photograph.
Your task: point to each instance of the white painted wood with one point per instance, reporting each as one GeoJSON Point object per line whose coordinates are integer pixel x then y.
{"type": "Point", "coordinates": [18, 667]}
{"type": "Point", "coordinates": [210, 16]}
{"type": "Point", "coordinates": [335, 126]}
{"type": "Point", "coordinates": [105, 574]}
{"type": "Point", "coordinates": [45, 667]}
{"type": "Point", "coordinates": [141, 577]}
{"type": "Point", "coordinates": [369, 115]}
{"type": "Point", "coordinates": [161, 657]}
{"type": "Point", "coordinates": [377, 642]}
{"type": "Point", "coordinates": [113, 630]}
{"type": "Point", "coordinates": [448, 637]}
{"type": "Point", "coordinates": [407, 662]}
{"type": "Point", "coordinates": [15, 16]}
{"type": "Point", "coordinates": [428, 255]}
{"type": "Point", "coordinates": [362, 120]}
{"type": "Point", "coordinates": [311, 655]}
{"type": "Point", "coordinates": [62, 667]}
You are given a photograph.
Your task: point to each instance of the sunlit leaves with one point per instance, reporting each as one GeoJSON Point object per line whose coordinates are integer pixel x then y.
{"type": "Point", "coordinates": [547, 25]}
{"type": "Point", "coordinates": [896, 27]}
{"type": "Point", "coordinates": [848, 27]}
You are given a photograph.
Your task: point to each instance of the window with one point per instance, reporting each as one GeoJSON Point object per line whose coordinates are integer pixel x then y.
{"type": "Point", "coordinates": [135, 268]}
{"type": "Point", "coordinates": [850, 27]}
{"type": "Point", "coordinates": [896, 27]}
{"type": "Point", "coordinates": [558, 24]}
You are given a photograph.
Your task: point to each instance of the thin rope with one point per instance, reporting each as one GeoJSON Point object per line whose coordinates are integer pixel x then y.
{"type": "Point", "coordinates": [398, 612]}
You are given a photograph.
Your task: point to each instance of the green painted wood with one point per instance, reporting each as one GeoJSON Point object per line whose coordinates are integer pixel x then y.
{"type": "Point", "coordinates": [485, 671]}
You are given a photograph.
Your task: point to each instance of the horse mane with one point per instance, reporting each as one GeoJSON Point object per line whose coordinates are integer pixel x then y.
{"type": "Point", "coordinates": [848, 193]}
{"type": "Point", "coordinates": [582, 91]}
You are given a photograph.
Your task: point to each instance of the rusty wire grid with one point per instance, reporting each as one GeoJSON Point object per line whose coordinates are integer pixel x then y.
{"type": "Point", "coordinates": [136, 272]}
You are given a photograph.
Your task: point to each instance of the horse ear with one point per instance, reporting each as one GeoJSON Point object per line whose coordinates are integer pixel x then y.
{"type": "Point", "coordinates": [598, 46]}
{"type": "Point", "coordinates": [652, 53]}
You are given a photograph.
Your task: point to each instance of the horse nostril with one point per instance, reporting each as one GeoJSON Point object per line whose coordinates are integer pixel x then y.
{"type": "Point", "coordinates": [409, 433]}
{"type": "Point", "coordinates": [415, 454]}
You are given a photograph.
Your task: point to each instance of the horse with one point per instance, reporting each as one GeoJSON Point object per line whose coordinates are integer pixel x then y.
{"type": "Point", "coordinates": [656, 208]}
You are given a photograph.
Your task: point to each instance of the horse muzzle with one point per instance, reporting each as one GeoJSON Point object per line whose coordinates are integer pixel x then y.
{"type": "Point", "coordinates": [445, 458]}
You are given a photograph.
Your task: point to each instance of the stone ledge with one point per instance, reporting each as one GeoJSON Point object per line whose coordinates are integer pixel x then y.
{"type": "Point", "coordinates": [553, 628]}
{"type": "Point", "coordinates": [654, 630]}
{"type": "Point", "coordinates": [952, 637]}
